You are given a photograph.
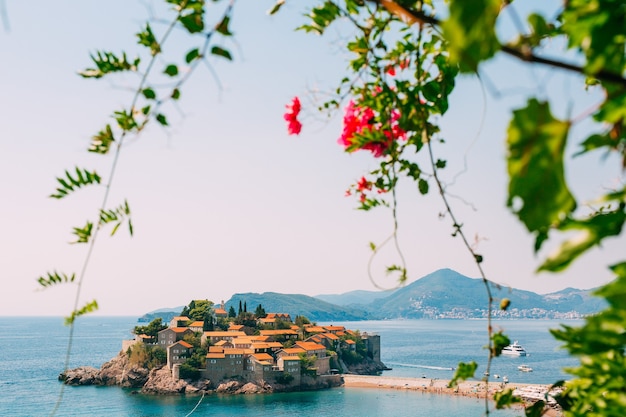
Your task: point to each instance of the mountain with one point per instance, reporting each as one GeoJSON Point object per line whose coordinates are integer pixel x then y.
{"type": "Point", "coordinates": [575, 299]}
{"type": "Point", "coordinates": [447, 294]}
{"type": "Point", "coordinates": [352, 298]}
{"type": "Point", "coordinates": [442, 294]}
{"type": "Point", "coordinates": [297, 305]}
{"type": "Point", "coordinates": [166, 314]}
{"type": "Point", "coordinates": [441, 291]}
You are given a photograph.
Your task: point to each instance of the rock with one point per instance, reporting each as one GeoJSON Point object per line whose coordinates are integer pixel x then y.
{"type": "Point", "coordinates": [203, 385]}
{"type": "Point", "coordinates": [84, 375]}
{"type": "Point", "coordinates": [119, 371]}
{"type": "Point", "coordinates": [252, 388]}
{"type": "Point", "coordinates": [160, 382]}
{"type": "Point", "coordinates": [229, 387]}
{"type": "Point", "coordinates": [368, 367]}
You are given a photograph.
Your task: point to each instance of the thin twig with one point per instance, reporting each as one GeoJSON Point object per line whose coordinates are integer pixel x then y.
{"type": "Point", "coordinates": [114, 164]}
{"type": "Point", "coordinates": [458, 230]}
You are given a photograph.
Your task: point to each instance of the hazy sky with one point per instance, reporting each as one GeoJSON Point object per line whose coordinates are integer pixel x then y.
{"type": "Point", "coordinates": [225, 201]}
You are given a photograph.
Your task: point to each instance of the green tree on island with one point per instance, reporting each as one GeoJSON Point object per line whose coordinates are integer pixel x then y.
{"type": "Point", "coordinates": [151, 329]}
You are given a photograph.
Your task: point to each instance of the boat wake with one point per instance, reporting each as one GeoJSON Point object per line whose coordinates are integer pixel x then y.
{"type": "Point", "coordinates": [408, 365]}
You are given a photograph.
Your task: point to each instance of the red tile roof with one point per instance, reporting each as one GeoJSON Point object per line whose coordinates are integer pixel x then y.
{"type": "Point", "coordinates": [310, 346]}
{"type": "Point", "coordinates": [276, 332]}
{"type": "Point", "coordinates": [262, 357]}
{"type": "Point", "coordinates": [293, 351]}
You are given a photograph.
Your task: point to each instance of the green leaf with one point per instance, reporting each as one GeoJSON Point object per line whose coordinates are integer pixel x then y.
{"type": "Point", "coordinates": [83, 234]}
{"type": "Point", "coordinates": [148, 93]}
{"type": "Point", "coordinates": [596, 27]}
{"type": "Point", "coordinates": [222, 28]}
{"type": "Point", "coordinates": [276, 7]}
{"type": "Point", "coordinates": [147, 38]}
{"type": "Point", "coordinates": [191, 55]}
{"type": "Point", "coordinates": [161, 119]}
{"type": "Point", "coordinates": [463, 372]}
{"type": "Point", "coordinates": [422, 185]}
{"type": "Point", "coordinates": [538, 194]}
{"type": "Point", "coordinates": [107, 62]}
{"type": "Point", "coordinates": [321, 17]}
{"type": "Point", "coordinates": [101, 142]}
{"type": "Point", "coordinates": [175, 94]}
{"type": "Point", "coordinates": [591, 232]}
{"type": "Point", "coordinates": [470, 32]}
{"type": "Point", "coordinates": [194, 21]}
{"type": "Point", "coordinates": [397, 268]}
{"type": "Point", "coordinates": [87, 308]}
{"type": "Point", "coordinates": [117, 225]}
{"type": "Point", "coordinates": [216, 50]}
{"type": "Point", "coordinates": [505, 398]}
{"type": "Point", "coordinates": [81, 179]}
{"type": "Point", "coordinates": [117, 216]}
{"type": "Point", "coordinates": [54, 278]}
{"type": "Point", "coordinates": [536, 409]}
{"type": "Point", "coordinates": [498, 342]}
{"type": "Point", "coordinates": [171, 70]}
{"type": "Point", "coordinates": [125, 120]}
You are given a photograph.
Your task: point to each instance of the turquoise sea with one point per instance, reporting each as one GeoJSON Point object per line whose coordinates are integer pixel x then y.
{"type": "Point", "coordinates": [33, 351]}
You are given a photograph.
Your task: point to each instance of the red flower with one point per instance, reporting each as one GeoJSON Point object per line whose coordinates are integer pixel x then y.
{"type": "Point", "coordinates": [359, 120]}
{"type": "Point", "coordinates": [291, 116]}
{"type": "Point", "coordinates": [355, 121]}
{"type": "Point", "coordinates": [363, 185]}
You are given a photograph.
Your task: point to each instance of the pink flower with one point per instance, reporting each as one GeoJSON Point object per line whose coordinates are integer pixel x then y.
{"type": "Point", "coordinates": [291, 116]}
{"type": "Point", "coordinates": [356, 120]}
{"type": "Point", "coordinates": [359, 120]}
{"type": "Point", "coordinates": [363, 185]}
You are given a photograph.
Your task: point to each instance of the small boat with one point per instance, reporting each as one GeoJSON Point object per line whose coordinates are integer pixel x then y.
{"type": "Point", "coordinates": [514, 350]}
{"type": "Point", "coordinates": [525, 368]}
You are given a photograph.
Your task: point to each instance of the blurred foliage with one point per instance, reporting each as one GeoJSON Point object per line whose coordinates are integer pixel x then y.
{"type": "Point", "coordinates": [405, 58]}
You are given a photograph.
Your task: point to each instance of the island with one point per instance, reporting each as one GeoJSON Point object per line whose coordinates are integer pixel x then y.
{"type": "Point", "coordinates": [208, 349]}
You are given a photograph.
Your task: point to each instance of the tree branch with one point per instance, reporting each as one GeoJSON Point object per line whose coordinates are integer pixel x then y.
{"type": "Point", "coordinates": [418, 17]}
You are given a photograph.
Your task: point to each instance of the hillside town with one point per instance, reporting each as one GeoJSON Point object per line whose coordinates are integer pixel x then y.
{"type": "Point", "coordinates": [261, 348]}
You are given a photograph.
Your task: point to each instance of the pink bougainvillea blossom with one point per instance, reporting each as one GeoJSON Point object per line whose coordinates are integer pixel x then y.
{"type": "Point", "coordinates": [363, 185]}
{"type": "Point", "coordinates": [356, 120]}
{"type": "Point", "coordinates": [291, 116]}
{"type": "Point", "coordinates": [361, 120]}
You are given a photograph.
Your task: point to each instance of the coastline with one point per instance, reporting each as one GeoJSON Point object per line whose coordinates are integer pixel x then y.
{"type": "Point", "coordinates": [472, 389]}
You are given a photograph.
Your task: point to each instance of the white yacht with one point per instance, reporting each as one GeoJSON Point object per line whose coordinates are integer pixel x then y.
{"type": "Point", "coordinates": [514, 350]}
{"type": "Point", "coordinates": [525, 368]}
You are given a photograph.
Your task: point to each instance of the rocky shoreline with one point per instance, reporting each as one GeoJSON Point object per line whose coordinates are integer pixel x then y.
{"type": "Point", "coordinates": [159, 381]}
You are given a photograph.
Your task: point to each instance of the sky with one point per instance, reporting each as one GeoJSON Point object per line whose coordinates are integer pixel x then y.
{"type": "Point", "coordinates": [225, 201]}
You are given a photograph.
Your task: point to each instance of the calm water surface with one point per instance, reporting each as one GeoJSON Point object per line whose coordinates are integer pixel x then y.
{"type": "Point", "coordinates": [33, 354]}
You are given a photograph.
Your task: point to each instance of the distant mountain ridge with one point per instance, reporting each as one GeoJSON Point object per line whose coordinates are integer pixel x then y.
{"type": "Point", "coordinates": [447, 294]}
{"type": "Point", "coordinates": [442, 294]}
{"type": "Point", "coordinates": [298, 304]}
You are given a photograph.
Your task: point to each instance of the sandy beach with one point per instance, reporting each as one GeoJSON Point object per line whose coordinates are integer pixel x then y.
{"type": "Point", "coordinates": [474, 389]}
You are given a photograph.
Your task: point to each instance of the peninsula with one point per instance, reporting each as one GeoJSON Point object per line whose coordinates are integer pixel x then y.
{"type": "Point", "coordinates": [208, 349]}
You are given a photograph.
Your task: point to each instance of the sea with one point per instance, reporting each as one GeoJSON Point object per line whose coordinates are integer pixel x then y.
{"type": "Point", "coordinates": [32, 354]}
